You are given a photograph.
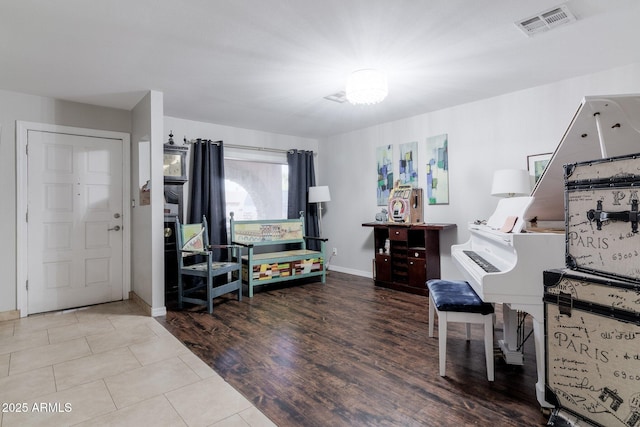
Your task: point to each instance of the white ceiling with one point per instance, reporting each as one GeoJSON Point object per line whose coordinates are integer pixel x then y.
{"type": "Point", "coordinates": [268, 64]}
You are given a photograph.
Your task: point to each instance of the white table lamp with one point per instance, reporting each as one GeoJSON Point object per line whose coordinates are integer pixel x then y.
{"type": "Point", "coordinates": [511, 183]}
{"type": "Point", "coordinates": [318, 195]}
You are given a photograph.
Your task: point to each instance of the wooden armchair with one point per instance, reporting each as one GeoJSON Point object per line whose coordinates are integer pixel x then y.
{"type": "Point", "coordinates": [217, 277]}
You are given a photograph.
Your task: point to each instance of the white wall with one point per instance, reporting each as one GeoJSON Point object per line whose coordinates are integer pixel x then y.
{"type": "Point", "coordinates": [191, 129]}
{"type": "Point", "coordinates": [484, 136]}
{"type": "Point", "coordinates": [147, 254]}
{"type": "Point", "coordinates": [16, 106]}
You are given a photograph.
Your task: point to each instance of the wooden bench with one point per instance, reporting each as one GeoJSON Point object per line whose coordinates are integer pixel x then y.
{"type": "Point", "coordinates": [276, 251]}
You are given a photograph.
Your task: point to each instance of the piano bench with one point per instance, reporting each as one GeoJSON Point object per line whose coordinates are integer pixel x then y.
{"type": "Point", "coordinates": [456, 301]}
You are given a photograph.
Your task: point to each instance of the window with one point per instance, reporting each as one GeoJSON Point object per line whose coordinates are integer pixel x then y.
{"type": "Point", "coordinates": [256, 190]}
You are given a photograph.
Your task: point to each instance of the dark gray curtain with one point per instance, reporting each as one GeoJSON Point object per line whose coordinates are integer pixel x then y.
{"type": "Point", "coordinates": [207, 190]}
{"type": "Point", "coordinates": [301, 177]}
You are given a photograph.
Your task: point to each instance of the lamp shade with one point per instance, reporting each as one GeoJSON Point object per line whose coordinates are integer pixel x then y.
{"type": "Point", "coordinates": [510, 183]}
{"type": "Point", "coordinates": [319, 194]}
{"type": "Point", "coordinates": [366, 86]}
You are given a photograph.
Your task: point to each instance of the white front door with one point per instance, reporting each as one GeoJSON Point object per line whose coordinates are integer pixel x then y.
{"type": "Point", "coordinates": [74, 220]}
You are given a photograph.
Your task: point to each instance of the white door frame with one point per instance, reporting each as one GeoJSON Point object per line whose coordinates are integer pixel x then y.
{"type": "Point", "coordinates": [22, 129]}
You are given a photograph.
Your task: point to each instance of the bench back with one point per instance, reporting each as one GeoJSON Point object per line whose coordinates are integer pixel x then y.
{"type": "Point", "coordinates": [268, 232]}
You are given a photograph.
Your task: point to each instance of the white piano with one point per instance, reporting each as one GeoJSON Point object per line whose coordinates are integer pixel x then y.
{"type": "Point", "coordinates": [511, 265]}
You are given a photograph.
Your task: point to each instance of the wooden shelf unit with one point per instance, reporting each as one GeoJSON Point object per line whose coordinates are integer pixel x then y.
{"type": "Point", "coordinates": [413, 256]}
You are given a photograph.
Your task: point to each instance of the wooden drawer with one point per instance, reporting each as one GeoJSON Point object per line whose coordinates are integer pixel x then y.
{"type": "Point", "coordinates": [398, 233]}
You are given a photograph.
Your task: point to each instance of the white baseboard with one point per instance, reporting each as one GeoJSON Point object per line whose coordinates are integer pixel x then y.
{"type": "Point", "coordinates": [361, 273]}
{"type": "Point", "coordinates": [150, 311]}
{"type": "Point", "coordinates": [9, 315]}
{"type": "Point", "coordinates": [159, 311]}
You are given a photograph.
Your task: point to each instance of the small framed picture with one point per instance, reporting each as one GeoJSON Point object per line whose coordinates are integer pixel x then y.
{"type": "Point", "coordinates": [536, 164]}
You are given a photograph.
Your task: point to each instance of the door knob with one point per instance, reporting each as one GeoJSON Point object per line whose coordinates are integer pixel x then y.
{"type": "Point", "coordinates": [116, 228]}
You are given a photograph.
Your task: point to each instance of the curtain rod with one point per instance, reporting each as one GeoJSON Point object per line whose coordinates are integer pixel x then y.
{"type": "Point", "coordinates": [248, 147]}
{"type": "Point", "coordinates": [244, 147]}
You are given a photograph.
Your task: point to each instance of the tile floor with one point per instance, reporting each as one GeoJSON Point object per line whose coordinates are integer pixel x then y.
{"type": "Point", "coordinates": [110, 364]}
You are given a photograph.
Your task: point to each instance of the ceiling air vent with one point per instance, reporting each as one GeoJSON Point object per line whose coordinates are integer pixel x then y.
{"type": "Point", "coordinates": [546, 20]}
{"type": "Point", "coordinates": [337, 97]}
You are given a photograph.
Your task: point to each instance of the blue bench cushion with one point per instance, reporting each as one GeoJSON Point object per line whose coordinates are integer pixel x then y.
{"type": "Point", "coordinates": [456, 295]}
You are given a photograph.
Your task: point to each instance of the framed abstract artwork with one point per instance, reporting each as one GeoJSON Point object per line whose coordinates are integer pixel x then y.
{"type": "Point", "coordinates": [408, 164]}
{"type": "Point", "coordinates": [438, 170]}
{"type": "Point", "coordinates": [384, 167]}
{"type": "Point", "coordinates": [536, 163]}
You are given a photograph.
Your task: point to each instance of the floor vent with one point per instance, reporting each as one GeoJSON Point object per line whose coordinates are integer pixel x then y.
{"type": "Point", "coordinates": [546, 21]}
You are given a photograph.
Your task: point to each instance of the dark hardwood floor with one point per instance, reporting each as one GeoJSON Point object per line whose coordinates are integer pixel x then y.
{"type": "Point", "coordinates": [348, 353]}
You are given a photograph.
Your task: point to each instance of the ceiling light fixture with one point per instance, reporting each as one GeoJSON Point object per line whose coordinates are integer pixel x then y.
{"type": "Point", "coordinates": [367, 86]}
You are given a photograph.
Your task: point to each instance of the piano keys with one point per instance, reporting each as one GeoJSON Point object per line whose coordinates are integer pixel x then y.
{"type": "Point", "coordinates": [482, 263]}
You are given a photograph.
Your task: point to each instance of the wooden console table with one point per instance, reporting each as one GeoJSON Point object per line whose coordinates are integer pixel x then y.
{"type": "Point", "coordinates": [413, 255]}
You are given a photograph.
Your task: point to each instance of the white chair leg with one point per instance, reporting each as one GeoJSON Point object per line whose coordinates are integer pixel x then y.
{"type": "Point", "coordinates": [488, 345]}
{"type": "Point", "coordinates": [432, 310]}
{"type": "Point", "coordinates": [468, 330]}
{"type": "Point", "coordinates": [442, 341]}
